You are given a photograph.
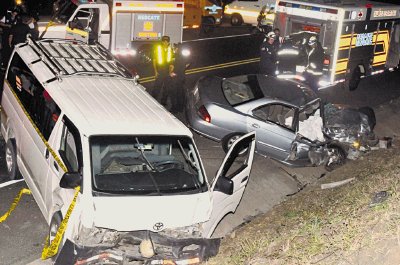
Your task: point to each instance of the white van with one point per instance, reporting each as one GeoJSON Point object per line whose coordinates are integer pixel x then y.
{"type": "Point", "coordinates": [72, 116]}
{"type": "Point", "coordinates": [246, 11]}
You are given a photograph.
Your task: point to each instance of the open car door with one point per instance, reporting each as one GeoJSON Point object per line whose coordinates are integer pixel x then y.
{"type": "Point", "coordinates": [231, 180]}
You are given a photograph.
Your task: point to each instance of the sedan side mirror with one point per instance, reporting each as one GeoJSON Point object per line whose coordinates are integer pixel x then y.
{"type": "Point", "coordinates": [224, 185]}
{"type": "Point", "coordinates": [71, 180]}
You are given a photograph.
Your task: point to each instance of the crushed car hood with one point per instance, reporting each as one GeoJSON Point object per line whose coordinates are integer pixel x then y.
{"type": "Point", "coordinates": [154, 213]}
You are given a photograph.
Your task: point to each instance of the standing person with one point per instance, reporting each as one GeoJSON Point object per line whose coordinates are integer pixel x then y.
{"type": "Point", "coordinates": [6, 22]}
{"type": "Point", "coordinates": [162, 64]}
{"type": "Point", "coordinates": [268, 55]}
{"type": "Point", "coordinates": [278, 38]}
{"type": "Point", "coordinates": [19, 31]}
{"type": "Point", "coordinates": [178, 78]}
{"type": "Point", "coordinates": [315, 62]}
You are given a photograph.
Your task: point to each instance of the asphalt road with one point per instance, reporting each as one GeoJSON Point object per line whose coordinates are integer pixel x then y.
{"type": "Point", "coordinates": [23, 234]}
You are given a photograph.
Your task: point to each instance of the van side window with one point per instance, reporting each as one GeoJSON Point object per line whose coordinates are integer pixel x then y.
{"type": "Point", "coordinates": [70, 147]}
{"type": "Point", "coordinates": [41, 108]}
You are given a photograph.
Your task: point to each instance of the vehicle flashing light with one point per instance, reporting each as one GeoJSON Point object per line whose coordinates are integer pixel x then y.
{"type": "Point", "coordinates": [118, 4]}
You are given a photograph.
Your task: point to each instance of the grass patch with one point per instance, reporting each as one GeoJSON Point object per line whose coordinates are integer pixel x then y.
{"type": "Point", "coordinates": [325, 226]}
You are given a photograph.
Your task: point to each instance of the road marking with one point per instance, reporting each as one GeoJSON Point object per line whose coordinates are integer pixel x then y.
{"type": "Point", "coordinates": [207, 68]}
{"type": "Point", "coordinates": [214, 38]}
{"type": "Point", "coordinates": [8, 183]}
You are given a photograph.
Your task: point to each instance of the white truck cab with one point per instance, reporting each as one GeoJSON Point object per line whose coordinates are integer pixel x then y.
{"type": "Point", "coordinates": [72, 116]}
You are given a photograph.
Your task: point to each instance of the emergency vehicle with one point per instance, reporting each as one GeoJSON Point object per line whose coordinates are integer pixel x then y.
{"type": "Point", "coordinates": [360, 38]}
{"type": "Point", "coordinates": [202, 12]}
{"type": "Point", "coordinates": [120, 25]}
{"type": "Point", "coordinates": [245, 11]}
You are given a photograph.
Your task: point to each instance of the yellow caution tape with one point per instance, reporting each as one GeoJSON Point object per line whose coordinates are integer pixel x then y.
{"type": "Point", "coordinates": [52, 249]}
{"type": "Point", "coordinates": [14, 204]}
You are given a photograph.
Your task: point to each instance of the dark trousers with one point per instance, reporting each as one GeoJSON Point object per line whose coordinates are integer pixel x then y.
{"type": "Point", "coordinates": [161, 87]}
{"type": "Point", "coordinates": [177, 93]}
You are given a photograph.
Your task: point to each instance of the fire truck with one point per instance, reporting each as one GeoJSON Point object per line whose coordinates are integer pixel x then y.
{"type": "Point", "coordinates": [359, 38]}
{"type": "Point", "coordinates": [123, 26]}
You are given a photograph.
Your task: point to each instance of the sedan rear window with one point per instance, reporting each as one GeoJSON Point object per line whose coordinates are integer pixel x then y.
{"type": "Point", "coordinates": [241, 89]}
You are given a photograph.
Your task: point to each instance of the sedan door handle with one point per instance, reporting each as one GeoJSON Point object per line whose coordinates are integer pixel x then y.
{"type": "Point", "coordinates": [255, 125]}
{"type": "Point", "coordinates": [244, 179]}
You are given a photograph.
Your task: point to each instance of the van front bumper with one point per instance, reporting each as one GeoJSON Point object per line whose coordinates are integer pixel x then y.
{"type": "Point", "coordinates": [167, 250]}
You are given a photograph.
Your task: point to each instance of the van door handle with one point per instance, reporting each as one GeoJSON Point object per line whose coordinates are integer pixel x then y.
{"type": "Point", "coordinates": [244, 179]}
{"type": "Point", "coordinates": [55, 165]}
{"type": "Point", "coordinates": [46, 153]}
{"type": "Point", "coordinates": [255, 125]}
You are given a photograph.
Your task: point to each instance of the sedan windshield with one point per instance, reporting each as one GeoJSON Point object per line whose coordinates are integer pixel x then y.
{"type": "Point", "coordinates": [144, 165]}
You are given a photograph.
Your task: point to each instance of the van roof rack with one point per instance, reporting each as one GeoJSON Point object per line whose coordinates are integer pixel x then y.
{"type": "Point", "coordinates": [78, 58]}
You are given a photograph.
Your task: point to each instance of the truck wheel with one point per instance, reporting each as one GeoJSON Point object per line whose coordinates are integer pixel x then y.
{"type": "Point", "coordinates": [354, 80]}
{"type": "Point", "coordinates": [11, 160]}
{"type": "Point", "coordinates": [54, 225]}
{"type": "Point", "coordinates": [236, 20]}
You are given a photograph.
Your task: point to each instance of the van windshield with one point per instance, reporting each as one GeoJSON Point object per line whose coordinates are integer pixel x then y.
{"type": "Point", "coordinates": [145, 165]}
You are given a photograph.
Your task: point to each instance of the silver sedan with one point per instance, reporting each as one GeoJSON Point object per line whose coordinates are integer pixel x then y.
{"type": "Point", "coordinates": [287, 117]}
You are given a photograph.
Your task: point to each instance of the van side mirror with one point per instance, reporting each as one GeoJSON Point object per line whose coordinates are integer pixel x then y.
{"type": "Point", "coordinates": [72, 24]}
{"type": "Point", "coordinates": [224, 185]}
{"type": "Point", "coordinates": [71, 180]}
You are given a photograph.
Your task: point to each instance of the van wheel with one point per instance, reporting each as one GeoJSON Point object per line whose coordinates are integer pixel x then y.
{"type": "Point", "coordinates": [236, 20]}
{"type": "Point", "coordinates": [354, 80]}
{"type": "Point", "coordinates": [11, 160]}
{"type": "Point", "coordinates": [54, 225]}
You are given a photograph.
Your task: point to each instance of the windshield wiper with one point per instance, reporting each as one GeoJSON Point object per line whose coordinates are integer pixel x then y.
{"type": "Point", "coordinates": [140, 147]}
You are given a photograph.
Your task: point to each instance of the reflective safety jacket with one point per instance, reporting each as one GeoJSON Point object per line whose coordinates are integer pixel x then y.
{"type": "Point", "coordinates": [315, 60]}
{"type": "Point", "coordinates": [163, 56]}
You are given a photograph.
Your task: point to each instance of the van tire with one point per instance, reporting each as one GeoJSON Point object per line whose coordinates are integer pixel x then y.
{"type": "Point", "coordinates": [53, 228]}
{"type": "Point", "coordinates": [354, 80]}
{"type": "Point", "coordinates": [11, 160]}
{"type": "Point", "coordinates": [236, 20]}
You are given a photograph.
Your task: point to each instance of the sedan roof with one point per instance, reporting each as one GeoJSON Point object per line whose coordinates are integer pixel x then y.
{"type": "Point", "coordinates": [271, 87]}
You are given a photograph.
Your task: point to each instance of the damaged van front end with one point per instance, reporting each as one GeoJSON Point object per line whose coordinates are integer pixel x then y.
{"type": "Point", "coordinates": [105, 246]}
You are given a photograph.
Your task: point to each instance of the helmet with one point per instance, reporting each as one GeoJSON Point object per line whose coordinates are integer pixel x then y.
{"type": "Point", "coordinates": [271, 35]}
{"type": "Point", "coordinates": [312, 40]}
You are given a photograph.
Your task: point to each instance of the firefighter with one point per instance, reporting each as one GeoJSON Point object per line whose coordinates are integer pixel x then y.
{"type": "Point", "coordinates": [163, 67]}
{"type": "Point", "coordinates": [278, 38]}
{"type": "Point", "coordinates": [268, 55]}
{"type": "Point", "coordinates": [181, 63]}
{"type": "Point", "coordinates": [315, 62]}
{"type": "Point", "coordinates": [263, 23]}
{"type": "Point", "coordinates": [6, 23]}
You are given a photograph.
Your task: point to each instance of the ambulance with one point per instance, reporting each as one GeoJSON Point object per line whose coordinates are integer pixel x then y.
{"type": "Point", "coordinates": [122, 26]}
{"type": "Point", "coordinates": [246, 12]}
{"type": "Point", "coordinates": [360, 38]}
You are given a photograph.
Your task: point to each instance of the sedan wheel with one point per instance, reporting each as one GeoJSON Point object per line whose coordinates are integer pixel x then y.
{"type": "Point", "coordinates": [229, 140]}
{"type": "Point", "coordinates": [337, 158]}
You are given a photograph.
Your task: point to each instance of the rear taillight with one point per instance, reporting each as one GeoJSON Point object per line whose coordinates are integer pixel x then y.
{"type": "Point", "coordinates": [203, 113]}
